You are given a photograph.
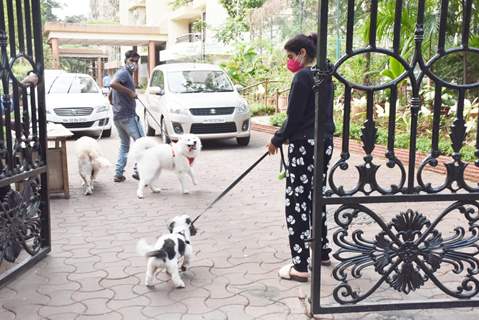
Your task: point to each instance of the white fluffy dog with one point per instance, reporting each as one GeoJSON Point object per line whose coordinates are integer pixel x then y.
{"type": "Point", "coordinates": [153, 157]}
{"type": "Point", "coordinates": [90, 162]}
{"type": "Point", "coordinates": [168, 251]}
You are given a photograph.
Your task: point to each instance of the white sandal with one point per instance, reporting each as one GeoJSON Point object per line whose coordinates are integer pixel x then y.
{"type": "Point", "coordinates": [285, 273]}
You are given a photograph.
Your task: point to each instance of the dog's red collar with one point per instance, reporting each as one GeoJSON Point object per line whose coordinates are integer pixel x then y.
{"type": "Point", "coordinates": [190, 160]}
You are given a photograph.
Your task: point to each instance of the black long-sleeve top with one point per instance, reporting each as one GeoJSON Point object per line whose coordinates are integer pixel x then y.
{"type": "Point", "coordinates": [299, 124]}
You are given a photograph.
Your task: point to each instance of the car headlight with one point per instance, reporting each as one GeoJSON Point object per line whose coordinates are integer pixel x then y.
{"type": "Point", "coordinates": [243, 107]}
{"type": "Point", "coordinates": [178, 110]}
{"type": "Point", "coordinates": [102, 108]}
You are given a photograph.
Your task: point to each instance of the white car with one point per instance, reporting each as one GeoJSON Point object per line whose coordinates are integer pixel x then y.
{"type": "Point", "coordinates": [195, 98]}
{"type": "Point", "coordinates": [75, 101]}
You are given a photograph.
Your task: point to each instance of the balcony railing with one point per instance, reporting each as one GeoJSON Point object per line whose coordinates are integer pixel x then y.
{"type": "Point", "coordinates": [189, 37]}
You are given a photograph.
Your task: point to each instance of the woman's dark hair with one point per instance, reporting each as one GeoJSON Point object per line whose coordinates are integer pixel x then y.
{"type": "Point", "coordinates": [300, 41]}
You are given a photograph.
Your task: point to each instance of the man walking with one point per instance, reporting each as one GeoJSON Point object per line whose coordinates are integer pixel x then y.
{"type": "Point", "coordinates": [124, 115]}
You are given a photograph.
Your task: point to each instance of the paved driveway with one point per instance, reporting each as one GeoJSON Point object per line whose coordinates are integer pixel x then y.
{"type": "Point", "coordinates": [93, 271]}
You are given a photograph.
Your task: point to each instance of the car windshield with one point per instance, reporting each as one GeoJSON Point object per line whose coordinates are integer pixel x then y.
{"type": "Point", "coordinates": [72, 84]}
{"type": "Point", "coordinates": [198, 81]}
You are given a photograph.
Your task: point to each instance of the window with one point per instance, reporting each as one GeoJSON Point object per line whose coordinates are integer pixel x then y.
{"type": "Point", "coordinates": [198, 81]}
{"type": "Point", "coordinates": [73, 84]}
{"type": "Point", "coordinates": [157, 80]}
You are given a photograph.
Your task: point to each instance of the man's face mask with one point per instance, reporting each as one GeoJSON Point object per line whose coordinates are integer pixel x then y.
{"type": "Point", "coordinates": [131, 66]}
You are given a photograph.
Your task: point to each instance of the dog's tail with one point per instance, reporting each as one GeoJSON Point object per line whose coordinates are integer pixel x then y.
{"type": "Point", "coordinates": [140, 146]}
{"type": "Point", "coordinates": [103, 162]}
{"type": "Point", "coordinates": [144, 249]}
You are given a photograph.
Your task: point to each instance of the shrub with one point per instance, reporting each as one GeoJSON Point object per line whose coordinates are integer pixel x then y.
{"type": "Point", "coordinates": [278, 119]}
{"type": "Point", "coordinates": [260, 109]}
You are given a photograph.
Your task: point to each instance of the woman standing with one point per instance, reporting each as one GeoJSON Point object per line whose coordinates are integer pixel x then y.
{"type": "Point", "coordinates": [298, 129]}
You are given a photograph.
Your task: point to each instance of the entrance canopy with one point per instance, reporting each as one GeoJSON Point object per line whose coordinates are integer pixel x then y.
{"type": "Point", "coordinates": [103, 35]}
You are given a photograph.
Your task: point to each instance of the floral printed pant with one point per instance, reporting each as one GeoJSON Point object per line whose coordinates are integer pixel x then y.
{"type": "Point", "coordinates": [299, 204]}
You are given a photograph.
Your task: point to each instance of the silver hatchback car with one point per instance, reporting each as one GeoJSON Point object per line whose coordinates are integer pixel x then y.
{"type": "Point", "coordinates": [195, 98]}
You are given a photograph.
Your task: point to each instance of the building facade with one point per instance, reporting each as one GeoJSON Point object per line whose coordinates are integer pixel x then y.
{"type": "Point", "coordinates": [107, 10]}
{"type": "Point", "coordinates": [190, 27]}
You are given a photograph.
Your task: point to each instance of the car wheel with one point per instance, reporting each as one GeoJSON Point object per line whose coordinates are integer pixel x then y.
{"type": "Point", "coordinates": [164, 133]}
{"type": "Point", "coordinates": [243, 141]}
{"type": "Point", "coordinates": [106, 133]}
{"type": "Point", "coordinates": [150, 132]}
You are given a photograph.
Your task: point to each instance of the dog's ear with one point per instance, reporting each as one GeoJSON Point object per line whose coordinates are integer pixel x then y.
{"type": "Point", "coordinates": [192, 230]}
{"type": "Point", "coordinates": [171, 226]}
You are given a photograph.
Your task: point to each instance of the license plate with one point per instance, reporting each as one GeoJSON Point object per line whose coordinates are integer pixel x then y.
{"type": "Point", "coordinates": [214, 121]}
{"type": "Point", "coordinates": [75, 120]}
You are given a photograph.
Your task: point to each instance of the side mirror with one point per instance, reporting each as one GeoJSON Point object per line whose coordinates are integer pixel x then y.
{"type": "Point", "coordinates": [105, 91]}
{"type": "Point", "coordinates": [239, 88]}
{"type": "Point", "coordinates": [156, 90]}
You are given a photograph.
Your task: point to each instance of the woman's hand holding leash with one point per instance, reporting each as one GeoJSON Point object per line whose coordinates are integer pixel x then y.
{"type": "Point", "coordinates": [272, 149]}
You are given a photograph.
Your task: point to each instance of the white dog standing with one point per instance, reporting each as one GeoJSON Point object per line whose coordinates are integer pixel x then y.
{"type": "Point", "coordinates": [168, 251]}
{"type": "Point", "coordinates": [90, 162]}
{"type": "Point", "coordinates": [153, 157]}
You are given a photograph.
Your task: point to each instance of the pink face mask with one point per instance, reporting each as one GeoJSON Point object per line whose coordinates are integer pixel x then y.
{"type": "Point", "coordinates": [294, 65]}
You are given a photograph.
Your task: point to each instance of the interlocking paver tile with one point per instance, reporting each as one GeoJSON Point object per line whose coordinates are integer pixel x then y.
{"type": "Point", "coordinates": [83, 295]}
{"type": "Point", "coordinates": [111, 282]}
{"type": "Point", "coordinates": [218, 289]}
{"type": "Point", "coordinates": [6, 314]}
{"type": "Point", "coordinates": [158, 311]}
{"type": "Point", "coordinates": [169, 316]}
{"type": "Point", "coordinates": [96, 306]}
{"type": "Point", "coordinates": [302, 316]}
{"type": "Point", "coordinates": [233, 300]}
{"type": "Point", "coordinates": [133, 313]}
{"type": "Point", "coordinates": [236, 312]}
{"type": "Point", "coordinates": [213, 315]}
{"type": "Point", "coordinates": [188, 292]}
{"type": "Point", "coordinates": [63, 316]}
{"type": "Point", "coordinates": [106, 316]}
{"type": "Point", "coordinates": [259, 311]}
{"type": "Point", "coordinates": [7, 293]}
{"type": "Point", "coordinates": [140, 301]}
{"type": "Point", "coordinates": [94, 272]}
{"type": "Point", "coordinates": [89, 281]}
{"type": "Point", "coordinates": [46, 311]}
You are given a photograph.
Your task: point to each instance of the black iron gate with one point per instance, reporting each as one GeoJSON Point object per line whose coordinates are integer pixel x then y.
{"type": "Point", "coordinates": [396, 230]}
{"type": "Point", "coordinates": [24, 207]}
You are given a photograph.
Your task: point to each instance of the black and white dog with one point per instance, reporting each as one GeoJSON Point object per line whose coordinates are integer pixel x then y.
{"type": "Point", "coordinates": [169, 250]}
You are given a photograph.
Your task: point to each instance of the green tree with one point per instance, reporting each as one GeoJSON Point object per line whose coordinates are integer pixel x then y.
{"type": "Point", "coordinates": [236, 24]}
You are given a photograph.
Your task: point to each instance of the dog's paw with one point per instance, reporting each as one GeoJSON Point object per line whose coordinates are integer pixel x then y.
{"type": "Point", "coordinates": [156, 190]}
{"type": "Point", "coordinates": [140, 195]}
{"type": "Point", "coordinates": [180, 285]}
{"type": "Point", "coordinates": [186, 191]}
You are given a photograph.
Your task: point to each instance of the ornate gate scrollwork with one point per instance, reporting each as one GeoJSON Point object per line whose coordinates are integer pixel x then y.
{"type": "Point", "coordinates": [407, 252]}
{"type": "Point", "coordinates": [411, 247]}
{"type": "Point", "coordinates": [24, 204]}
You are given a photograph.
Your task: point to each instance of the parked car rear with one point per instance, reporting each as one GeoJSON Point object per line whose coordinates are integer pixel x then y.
{"type": "Point", "coordinates": [195, 98]}
{"type": "Point", "coordinates": [75, 101]}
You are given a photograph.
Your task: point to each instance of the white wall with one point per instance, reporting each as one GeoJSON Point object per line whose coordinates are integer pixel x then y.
{"type": "Point", "coordinates": [124, 11]}
{"type": "Point", "coordinates": [157, 12]}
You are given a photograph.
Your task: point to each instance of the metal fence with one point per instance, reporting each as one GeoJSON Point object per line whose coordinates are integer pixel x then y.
{"type": "Point", "coordinates": [24, 206]}
{"type": "Point", "coordinates": [413, 246]}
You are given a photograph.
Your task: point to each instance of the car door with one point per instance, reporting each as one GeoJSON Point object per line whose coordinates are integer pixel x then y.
{"type": "Point", "coordinates": [154, 94]}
